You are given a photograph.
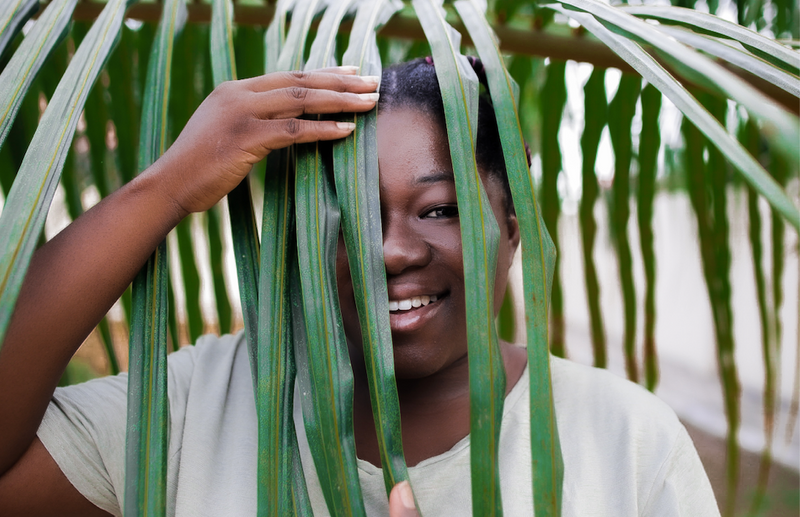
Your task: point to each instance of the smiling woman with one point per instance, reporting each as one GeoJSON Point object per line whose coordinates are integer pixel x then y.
{"type": "Point", "coordinates": [624, 452]}
{"type": "Point", "coordinates": [423, 184]}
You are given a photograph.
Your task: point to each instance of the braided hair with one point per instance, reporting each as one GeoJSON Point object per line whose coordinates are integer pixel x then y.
{"type": "Point", "coordinates": [413, 85]}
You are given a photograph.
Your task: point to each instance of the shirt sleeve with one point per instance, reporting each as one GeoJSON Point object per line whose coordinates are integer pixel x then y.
{"type": "Point", "coordinates": [83, 429]}
{"type": "Point", "coordinates": [681, 487]}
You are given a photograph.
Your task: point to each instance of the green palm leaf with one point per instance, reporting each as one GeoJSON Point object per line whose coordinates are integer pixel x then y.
{"type": "Point", "coordinates": [708, 197]}
{"type": "Point", "coordinates": [278, 232]}
{"type": "Point", "coordinates": [733, 151]}
{"type": "Point", "coordinates": [328, 407]}
{"type": "Point", "coordinates": [28, 200]}
{"type": "Point", "coordinates": [748, 135]}
{"type": "Point", "coordinates": [291, 55]}
{"type": "Point", "coordinates": [649, 143]}
{"type": "Point", "coordinates": [780, 128]}
{"type": "Point", "coordinates": [479, 239]}
{"type": "Point", "coordinates": [620, 116]}
{"type": "Point", "coordinates": [537, 265]}
{"type": "Point", "coordinates": [757, 66]}
{"type": "Point", "coordinates": [125, 104]}
{"type": "Point", "coordinates": [275, 35]}
{"type": "Point", "coordinates": [266, 311]}
{"type": "Point", "coordinates": [148, 406]}
{"type": "Point", "coordinates": [356, 176]}
{"type": "Point", "coordinates": [47, 32]}
{"type": "Point", "coordinates": [552, 98]}
{"type": "Point", "coordinates": [766, 48]}
{"type": "Point", "coordinates": [595, 115]}
{"type": "Point", "coordinates": [13, 16]}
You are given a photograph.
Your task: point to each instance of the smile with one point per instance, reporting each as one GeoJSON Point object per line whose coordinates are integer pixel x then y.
{"type": "Point", "coordinates": [411, 303]}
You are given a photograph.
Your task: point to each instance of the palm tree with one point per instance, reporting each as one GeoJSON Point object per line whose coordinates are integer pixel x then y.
{"type": "Point", "coordinates": [699, 62]}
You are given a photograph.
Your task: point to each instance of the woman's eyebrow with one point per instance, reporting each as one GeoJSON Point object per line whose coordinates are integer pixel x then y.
{"type": "Point", "coordinates": [435, 177]}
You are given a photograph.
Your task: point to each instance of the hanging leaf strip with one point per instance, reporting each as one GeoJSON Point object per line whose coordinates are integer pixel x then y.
{"type": "Point", "coordinates": [357, 188]}
{"type": "Point", "coordinates": [148, 406]}
{"type": "Point", "coordinates": [538, 255]}
{"type": "Point", "coordinates": [328, 407]}
{"type": "Point", "coordinates": [479, 240]}
{"type": "Point", "coordinates": [276, 368]}
{"type": "Point", "coordinates": [767, 49]}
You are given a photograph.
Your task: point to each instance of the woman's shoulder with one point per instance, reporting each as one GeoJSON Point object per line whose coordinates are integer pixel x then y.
{"type": "Point", "coordinates": [582, 391]}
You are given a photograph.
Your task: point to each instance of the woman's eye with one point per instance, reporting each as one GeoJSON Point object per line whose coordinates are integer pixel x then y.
{"type": "Point", "coordinates": [442, 212]}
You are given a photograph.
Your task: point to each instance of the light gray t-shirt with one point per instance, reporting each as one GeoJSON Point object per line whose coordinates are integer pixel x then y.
{"type": "Point", "coordinates": [625, 452]}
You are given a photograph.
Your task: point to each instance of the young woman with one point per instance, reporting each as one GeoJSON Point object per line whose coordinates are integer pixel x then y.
{"type": "Point", "coordinates": [624, 452]}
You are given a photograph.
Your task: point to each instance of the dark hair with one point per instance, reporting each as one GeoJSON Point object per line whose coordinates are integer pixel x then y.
{"type": "Point", "coordinates": [413, 85]}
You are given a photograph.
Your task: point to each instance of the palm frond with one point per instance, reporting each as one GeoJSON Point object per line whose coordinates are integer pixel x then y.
{"type": "Point", "coordinates": [479, 237]}
{"type": "Point", "coordinates": [356, 177]}
{"type": "Point", "coordinates": [148, 406]}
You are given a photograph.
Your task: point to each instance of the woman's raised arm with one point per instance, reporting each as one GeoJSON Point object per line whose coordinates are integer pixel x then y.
{"type": "Point", "coordinates": [75, 278]}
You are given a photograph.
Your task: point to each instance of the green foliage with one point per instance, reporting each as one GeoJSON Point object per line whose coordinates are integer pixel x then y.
{"type": "Point", "coordinates": [285, 279]}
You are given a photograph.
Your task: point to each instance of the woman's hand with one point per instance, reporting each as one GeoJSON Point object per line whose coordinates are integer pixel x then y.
{"type": "Point", "coordinates": [242, 121]}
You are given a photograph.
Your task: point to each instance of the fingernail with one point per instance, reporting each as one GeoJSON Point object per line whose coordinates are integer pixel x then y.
{"type": "Point", "coordinates": [346, 125]}
{"type": "Point", "coordinates": [406, 496]}
{"type": "Point", "coordinates": [349, 69]}
{"type": "Point", "coordinates": [371, 79]}
{"type": "Point", "coordinates": [373, 97]}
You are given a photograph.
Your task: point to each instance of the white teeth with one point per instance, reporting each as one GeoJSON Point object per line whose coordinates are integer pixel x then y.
{"type": "Point", "coordinates": [413, 302]}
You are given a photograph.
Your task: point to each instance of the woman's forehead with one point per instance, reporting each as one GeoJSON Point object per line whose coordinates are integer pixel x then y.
{"type": "Point", "coordinates": [413, 141]}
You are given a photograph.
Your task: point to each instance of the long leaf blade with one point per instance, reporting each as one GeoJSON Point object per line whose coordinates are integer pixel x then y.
{"type": "Point", "coordinates": [552, 100]}
{"type": "Point", "coordinates": [291, 55]}
{"type": "Point", "coordinates": [759, 67]}
{"type": "Point", "coordinates": [328, 408]}
{"type": "Point", "coordinates": [479, 240]}
{"type": "Point", "coordinates": [148, 406]}
{"type": "Point", "coordinates": [649, 144]}
{"type": "Point", "coordinates": [278, 232]}
{"type": "Point", "coordinates": [18, 75]}
{"type": "Point", "coordinates": [595, 115]}
{"type": "Point", "coordinates": [764, 47]}
{"type": "Point", "coordinates": [620, 117]}
{"type": "Point", "coordinates": [538, 266]}
{"type": "Point", "coordinates": [357, 188]}
{"type": "Point", "coordinates": [12, 17]}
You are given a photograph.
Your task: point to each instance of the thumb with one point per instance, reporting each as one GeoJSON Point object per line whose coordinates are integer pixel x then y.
{"type": "Point", "coordinates": [401, 501]}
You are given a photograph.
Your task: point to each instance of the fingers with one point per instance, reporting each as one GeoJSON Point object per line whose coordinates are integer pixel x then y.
{"type": "Point", "coordinates": [401, 501]}
{"type": "Point", "coordinates": [296, 101]}
{"type": "Point", "coordinates": [281, 133]}
{"type": "Point", "coordinates": [339, 79]}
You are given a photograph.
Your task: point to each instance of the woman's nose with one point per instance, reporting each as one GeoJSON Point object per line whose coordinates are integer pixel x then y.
{"type": "Point", "coordinates": [403, 248]}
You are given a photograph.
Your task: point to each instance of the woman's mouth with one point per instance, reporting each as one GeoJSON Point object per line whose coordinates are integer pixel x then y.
{"type": "Point", "coordinates": [411, 303]}
{"type": "Point", "coordinates": [411, 314]}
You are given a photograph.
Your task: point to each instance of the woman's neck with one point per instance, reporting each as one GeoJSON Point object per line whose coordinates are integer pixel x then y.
{"type": "Point", "coordinates": [434, 410]}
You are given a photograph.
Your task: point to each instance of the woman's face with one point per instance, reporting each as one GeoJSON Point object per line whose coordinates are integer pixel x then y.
{"type": "Point", "coordinates": [422, 247]}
